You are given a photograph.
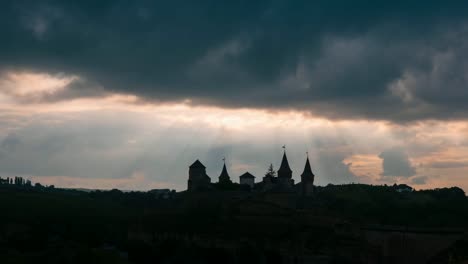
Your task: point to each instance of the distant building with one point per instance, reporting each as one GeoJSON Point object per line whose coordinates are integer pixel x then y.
{"type": "Point", "coordinates": [224, 177]}
{"type": "Point", "coordinates": [198, 179]}
{"type": "Point", "coordinates": [307, 180]}
{"type": "Point", "coordinates": [4, 181]}
{"type": "Point", "coordinates": [247, 179]}
{"type": "Point", "coordinates": [282, 183]}
{"type": "Point", "coordinates": [285, 181]}
{"type": "Point", "coordinates": [402, 188]}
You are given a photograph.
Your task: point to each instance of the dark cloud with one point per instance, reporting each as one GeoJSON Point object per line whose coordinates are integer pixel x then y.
{"type": "Point", "coordinates": [389, 60]}
{"type": "Point", "coordinates": [419, 180]}
{"type": "Point", "coordinates": [395, 162]}
{"type": "Point", "coordinates": [332, 168]}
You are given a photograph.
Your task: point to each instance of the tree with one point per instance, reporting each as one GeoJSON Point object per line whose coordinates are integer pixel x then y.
{"type": "Point", "coordinates": [271, 171]}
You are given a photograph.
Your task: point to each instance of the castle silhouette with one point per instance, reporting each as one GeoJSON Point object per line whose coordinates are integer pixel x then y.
{"type": "Point", "coordinates": [283, 182]}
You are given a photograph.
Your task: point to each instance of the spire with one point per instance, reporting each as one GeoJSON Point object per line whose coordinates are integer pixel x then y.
{"type": "Point", "coordinates": [224, 176]}
{"type": "Point", "coordinates": [284, 170]}
{"type": "Point", "coordinates": [224, 173]}
{"type": "Point", "coordinates": [307, 174]}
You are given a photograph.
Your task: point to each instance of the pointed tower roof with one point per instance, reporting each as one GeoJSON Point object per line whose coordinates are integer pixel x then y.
{"type": "Point", "coordinates": [224, 172]}
{"type": "Point", "coordinates": [247, 175]}
{"type": "Point", "coordinates": [284, 164]}
{"type": "Point", "coordinates": [224, 176]}
{"type": "Point", "coordinates": [197, 164]}
{"type": "Point", "coordinates": [307, 173]}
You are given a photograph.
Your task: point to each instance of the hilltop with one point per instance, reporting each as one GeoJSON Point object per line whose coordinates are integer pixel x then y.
{"type": "Point", "coordinates": [109, 225]}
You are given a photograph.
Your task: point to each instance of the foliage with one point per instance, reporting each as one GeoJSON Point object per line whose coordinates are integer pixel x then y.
{"type": "Point", "coordinates": [270, 172]}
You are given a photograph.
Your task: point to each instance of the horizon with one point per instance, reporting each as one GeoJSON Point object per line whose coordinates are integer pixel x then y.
{"type": "Point", "coordinates": [127, 95]}
{"type": "Point", "coordinates": [233, 178]}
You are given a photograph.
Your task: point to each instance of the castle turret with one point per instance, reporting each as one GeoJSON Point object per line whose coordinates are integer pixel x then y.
{"type": "Point", "coordinates": [284, 170]}
{"type": "Point", "coordinates": [307, 179]}
{"type": "Point", "coordinates": [247, 179]}
{"type": "Point", "coordinates": [198, 179]}
{"type": "Point", "coordinates": [224, 176]}
{"type": "Point", "coordinates": [285, 174]}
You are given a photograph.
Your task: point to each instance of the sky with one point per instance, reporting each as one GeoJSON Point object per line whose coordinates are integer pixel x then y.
{"type": "Point", "coordinates": [127, 94]}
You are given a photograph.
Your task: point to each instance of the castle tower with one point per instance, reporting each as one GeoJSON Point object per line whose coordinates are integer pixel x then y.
{"type": "Point", "coordinates": [198, 179]}
{"type": "Point", "coordinates": [284, 170]}
{"type": "Point", "coordinates": [307, 179]}
{"type": "Point", "coordinates": [224, 176]}
{"type": "Point", "coordinates": [285, 173]}
{"type": "Point", "coordinates": [247, 179]}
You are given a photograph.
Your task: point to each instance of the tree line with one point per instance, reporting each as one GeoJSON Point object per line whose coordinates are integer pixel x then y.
{"type": "Point", "coordinates": [21, 182]}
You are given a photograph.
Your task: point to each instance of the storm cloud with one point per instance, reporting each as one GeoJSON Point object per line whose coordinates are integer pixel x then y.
{"type": "Point", "coordinates": [389, 60]}
{"type": "Point", "coordinates": [395, 162]}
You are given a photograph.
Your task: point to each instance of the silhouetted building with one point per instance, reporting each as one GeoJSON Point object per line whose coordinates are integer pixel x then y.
{"type": "Point", "coordinates": [307, 179]}
{"type": "Point", "coordinates": [247, 179]}
{"type": "Point", "coordinates": [282, 183]}
{"type": "Point", "coordinates": [198, 179]}
{"type": "Point", "coordinates": [402, 188]}
{"type": "Point", "coordinates": [285, 174]}
{"type": "Point", "coordinates": [224, 177]}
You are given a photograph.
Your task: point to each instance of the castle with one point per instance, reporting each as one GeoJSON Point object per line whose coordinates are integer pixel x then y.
{"type": "Point", "coordinates": [283, 182]}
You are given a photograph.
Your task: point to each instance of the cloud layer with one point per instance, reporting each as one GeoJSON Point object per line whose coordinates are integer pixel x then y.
{"type": "Point", "coordinates": [395, 61]}
{"type": "Point", "coordinates": [109, 143]}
